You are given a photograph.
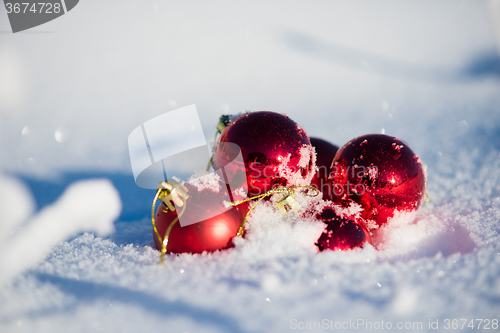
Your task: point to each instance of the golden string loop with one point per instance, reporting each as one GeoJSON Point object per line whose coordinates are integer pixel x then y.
{"type": "Point", "coordinates": [287, 200]}
{"type": "Point", "coordinates": [168, 192]}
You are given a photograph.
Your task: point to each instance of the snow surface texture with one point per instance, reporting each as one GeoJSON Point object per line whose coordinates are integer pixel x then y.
{"type": "Point", "coordinates": [426, 72]}
{"type": "Point", "coordinates": [89, 205]}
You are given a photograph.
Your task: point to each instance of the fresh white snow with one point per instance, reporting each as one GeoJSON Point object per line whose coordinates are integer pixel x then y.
{"type": "Point", "coordinates": [426, 72]}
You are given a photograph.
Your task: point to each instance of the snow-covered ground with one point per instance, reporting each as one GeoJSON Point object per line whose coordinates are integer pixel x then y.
{"type": "Point", "coordinates": [73, 89]}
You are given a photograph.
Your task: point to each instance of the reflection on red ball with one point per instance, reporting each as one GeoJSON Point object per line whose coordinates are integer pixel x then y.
{"type": "Point", "coordinates": [212, 234]}
{"type": "Point", "coordinates": [325, 152]}
{"type": "Point", "coordinates": [341, 233]}
{"type": "Point", "coordinates": [379, 172]}
{"type": "Point", "coordinates": [276, 151]}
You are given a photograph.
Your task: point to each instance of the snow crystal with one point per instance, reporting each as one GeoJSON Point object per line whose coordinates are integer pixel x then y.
{"type": "Point", "coordinates": [294, 176]}
{"type": "Point", "coordinates": [353, 210]}
{"type": "Point", "coordinates": [305, 153]}
{"type": "Point", "coordinates": [204, 180]}
{"type": "Point", "coordinates": [240, 192]}
{"type": "Point", "coordinates": [235, 116]}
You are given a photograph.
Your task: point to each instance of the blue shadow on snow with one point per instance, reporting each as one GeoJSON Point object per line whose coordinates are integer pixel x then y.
{"type": "Point", "coordinates": [136, 201]}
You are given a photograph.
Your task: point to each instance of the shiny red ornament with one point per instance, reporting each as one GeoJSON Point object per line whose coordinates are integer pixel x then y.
{"type": "Point", "coordinates": [341, 233]}
{"type": "Point", "coordinates": [276, 151]}
{"type": "Point", "coordinates": [210, 235]}
{"type": "Point", "coordinates": [379, 172]}
{"type": "Point", "coordinates": [325, 152]}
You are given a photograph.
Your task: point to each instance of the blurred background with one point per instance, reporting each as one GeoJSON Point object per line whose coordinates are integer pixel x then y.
{"type": "Point", "coordinates": [73, 89]}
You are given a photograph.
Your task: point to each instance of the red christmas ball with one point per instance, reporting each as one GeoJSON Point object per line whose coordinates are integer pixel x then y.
{"type": "Point", "coordinates": [379, 172]}
{"type": "Point", "coordinates": [341, 233]}
{"type": "Point", "coordinates": [325, 152]}
{"type": "Point", "coordinates": [275, 150]}
{"type": "Point", "coordinates": [212, 234]}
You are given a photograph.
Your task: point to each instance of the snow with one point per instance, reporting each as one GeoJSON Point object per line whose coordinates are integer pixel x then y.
{"type": "Point", "coordinates": [72, 90]}
{"type": "Point", "coordinates": [87, 205]}
{"type": "Point", "coordinates": [204, 180]}
{"type": "Point", "coordinates": [294, 175]}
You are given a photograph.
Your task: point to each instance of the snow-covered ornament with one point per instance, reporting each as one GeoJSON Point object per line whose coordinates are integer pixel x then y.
{"type": "Point", "coordinates": [325, 152]}
{"type": "Point", "coordinates": [341, 232]}
{"type": "Point", "coordinates": [190, 203]}
{"type": "Point", "coordinates": [380, 173]}
{"type": "Point", "coordinates": [276, 151]}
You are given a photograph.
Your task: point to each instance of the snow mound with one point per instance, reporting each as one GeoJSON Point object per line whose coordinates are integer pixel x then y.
{"type": "Point", "coordinates": [87, 205]}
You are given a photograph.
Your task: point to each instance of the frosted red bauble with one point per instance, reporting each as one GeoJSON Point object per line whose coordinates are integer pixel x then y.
{"type": "Point", "coordinates": [276, 151]}
{"type": "Point", "coordinates": [325, 152]}
{"type": "Point", "coordinates": [212, 234]}
{"type": "Point", "coordinates": [341, 233]}
{"type": "Point", "coordinates": [379, 172]}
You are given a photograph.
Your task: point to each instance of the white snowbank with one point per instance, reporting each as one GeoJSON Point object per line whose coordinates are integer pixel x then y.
{"type": "Point", "coordinates": [85, 206]}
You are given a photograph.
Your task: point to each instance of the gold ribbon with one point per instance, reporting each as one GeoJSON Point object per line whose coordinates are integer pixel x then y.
{"type": "Point", "coordinates": [426, 194]}
{"type": "Point", "coordinates": [287, 200]}
{"type": "Point", "coordinates": [168, 192]}
{"type": "Point", "coordinates": [171, 191]}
